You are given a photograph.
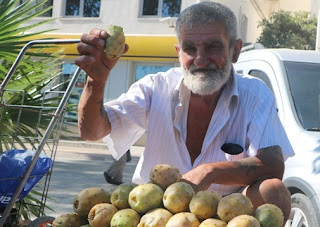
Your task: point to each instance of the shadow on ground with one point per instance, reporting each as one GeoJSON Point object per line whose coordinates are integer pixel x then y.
{"type": "Point", "coordinates": [73, 173]}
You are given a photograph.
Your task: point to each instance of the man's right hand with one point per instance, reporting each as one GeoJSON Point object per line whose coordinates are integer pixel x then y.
{"type": "Point", "coordinates": [92, 57]}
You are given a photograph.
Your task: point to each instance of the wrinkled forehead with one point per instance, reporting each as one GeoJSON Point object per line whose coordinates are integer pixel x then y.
{"type": "Point", "coordinates": [214, 30]}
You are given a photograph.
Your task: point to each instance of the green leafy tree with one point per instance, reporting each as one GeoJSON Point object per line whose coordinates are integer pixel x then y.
{"type": "Point", "coordinates": [30, 86]}
{"type": "Point", "coordinates": [289, 30]}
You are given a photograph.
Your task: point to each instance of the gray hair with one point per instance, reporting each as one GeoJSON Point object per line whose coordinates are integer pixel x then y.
{"type": "Point", "coordinates": [207, 13]}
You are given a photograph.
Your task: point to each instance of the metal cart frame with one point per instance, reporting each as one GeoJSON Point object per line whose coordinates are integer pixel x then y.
{"type": "Point", "coordinates": [55, 117]}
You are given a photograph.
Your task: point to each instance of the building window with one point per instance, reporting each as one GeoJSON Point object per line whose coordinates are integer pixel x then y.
{"type": "Point", "coordinates": [82, 8]}
{"type": "Point", "coordinates": [161, 8]}
{"type": "Point", "coordinates": [68, 70]}
{"type": "Point", "coordinates": [46, 5]}
{"type": "Point", "coordinates": [142, 70]}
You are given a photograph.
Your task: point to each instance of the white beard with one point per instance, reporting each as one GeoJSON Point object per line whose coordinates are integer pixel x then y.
{"type": "Point", "coordinates": [206, 81]}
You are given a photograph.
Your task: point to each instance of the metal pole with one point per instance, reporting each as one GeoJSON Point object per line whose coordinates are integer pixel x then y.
{"type": "Point", "coordinates": [53, 121]}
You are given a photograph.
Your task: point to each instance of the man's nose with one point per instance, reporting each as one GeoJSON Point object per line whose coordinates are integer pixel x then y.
{"type": "Point", "coordinates": [201, 59]}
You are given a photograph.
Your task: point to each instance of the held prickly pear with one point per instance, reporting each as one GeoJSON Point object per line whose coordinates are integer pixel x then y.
{"type": "Point", "coordinates": [115, 42]}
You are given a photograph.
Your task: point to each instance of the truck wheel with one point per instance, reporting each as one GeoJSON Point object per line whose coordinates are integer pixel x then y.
{"type": "Point", "coordinates": [302, 212]}
{"type": "Point", "coordinates": [42, 221]}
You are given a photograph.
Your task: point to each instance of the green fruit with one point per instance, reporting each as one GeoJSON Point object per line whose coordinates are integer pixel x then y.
{"type": "Point", "coordinates": [212, 222]}
{"type": "Point", "coordinates": [269, 215]}
{"type": "Point", "coordinates": [145, 197]}
{"type": "Point", "coordinates": [119, 197]}
{"type": "Point", "coordinates": [177, 197]}
{"type": "Point", "coordinates": [164, 175]}
{"type": "Point", "coordinates": [115, 42]}
{"type": "Point", "coordinates": [205, 204]}
{"type": "Point", "coordinates": [155, 218]}
{"type": "Point", "coordinates": [244, 220]}
{"type": "Point", "coordinates": [125, 218]}
{"type": "Point", "coordinates": [87, 198]}
{"type": "Point", "coordinates": [66, 220]}
{"type": "Point", "coordinates": [101, 214]}
{"type": "Point", "coordinates": [234, 205]}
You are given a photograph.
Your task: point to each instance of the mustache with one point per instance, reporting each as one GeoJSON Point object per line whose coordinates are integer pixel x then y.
{"type": "Point", "coordinates": [194, 69]}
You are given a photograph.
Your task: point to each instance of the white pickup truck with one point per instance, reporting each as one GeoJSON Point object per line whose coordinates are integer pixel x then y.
{"type": "Point", "coordinates": [294, 78]}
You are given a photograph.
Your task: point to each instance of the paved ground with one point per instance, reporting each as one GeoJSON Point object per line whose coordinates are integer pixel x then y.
{"type": "Point", "coordinates": [80, 165]}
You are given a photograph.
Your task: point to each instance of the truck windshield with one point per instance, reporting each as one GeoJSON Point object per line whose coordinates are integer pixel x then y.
{"type": "Point", "coordinates": [304, 82]}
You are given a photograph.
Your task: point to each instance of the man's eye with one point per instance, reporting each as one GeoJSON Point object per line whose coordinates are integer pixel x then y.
{"type": "Point", "coordinates": [189, 49]}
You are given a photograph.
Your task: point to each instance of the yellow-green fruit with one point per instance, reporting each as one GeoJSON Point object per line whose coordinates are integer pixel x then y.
{"type": "Point", "coordinates": [204, 204]}
{"type": "Point", "coordinates": [183, 219]}
{"type": "Point", "coordinates": [67, 220]}
{"type": "Point", "coordinates": [234, 205]}
{"type": "Point", "coordinates": [115, 42]}
{"type": "Point", "coordinates": [119, 197]}
{"type": "Point", "coordinates": [145, 197]}
{"type": "Point", "coordinates": [164, 175]}
{"type": "Point", "coordinates": [177, 197]}
{"type": "Point", "coordinates": [244, 220]}
{"type": "Point", "coordinates": [269, 215]}
{"type": "Point", "coordinates": [87, 198]}
{"type": "Point", "coordinates": [212, 222]}
{"type": "Point", "coordinates": [155, 218]}
{"type": "Point", "coordinates": [125, 218]}
{"type": "Point", "coordinates": [101, 214]}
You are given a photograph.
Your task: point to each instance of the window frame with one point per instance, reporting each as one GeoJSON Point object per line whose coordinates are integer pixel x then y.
{"type": "Point", "coordinates": [37, 10]}
{"type": "Point", "coordinates": [81, 9]}
{"type": "Point", "coordinates": [148, 63]}
{"type": "Point", "coordinates": [159, 15]}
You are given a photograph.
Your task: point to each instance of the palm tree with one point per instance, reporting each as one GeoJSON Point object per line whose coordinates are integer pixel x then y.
{"type": "Point", "coordinates": [34, 84]}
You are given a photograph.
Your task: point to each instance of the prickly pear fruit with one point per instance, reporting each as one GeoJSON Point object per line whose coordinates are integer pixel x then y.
{"type": "Point", "coordinates": [115, 42]}
{"type": "Point", "coordinates": [145, 197]}
{"type": "Point", "coordinates": [101, 214]}
{"type": "Point", "coordinates": [234, 205]}
{"type": "Point", "coordinates": [184, 219]}
{"type": "Point", "coordinates": [212, 222]}
{"type": "Point", "coordinates": [177, 197]}
{"type": "Point", "coordinates": [125, 218]}
{"type": "Point", "coordinates": [164, 175]}
{"type": "Point", "coordinates": [69, 219]}
{"type": "Point", "coordinates": [205, 204]}
{"type": "Point", "coordinates": [87, 198]}
{"type": "Point", "coordinates": [119, 197]}
{"type": "Point", "coordinates": [269, 215]}
{"type": "Point", "coordinates": [155, 218]}
{"type": "Point", "coordinates": [244, 220]}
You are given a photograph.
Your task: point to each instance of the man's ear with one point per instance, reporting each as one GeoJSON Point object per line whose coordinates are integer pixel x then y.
{"type": "Point", "coordinates": [177, 49]}
{"type": "Point", "coordinates": [236, 50]}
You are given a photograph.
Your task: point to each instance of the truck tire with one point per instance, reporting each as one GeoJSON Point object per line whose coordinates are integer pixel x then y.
{"type": "Point", "coordinates": [302, 212]}
{"type": "Point", "coordinates": [42, 221]}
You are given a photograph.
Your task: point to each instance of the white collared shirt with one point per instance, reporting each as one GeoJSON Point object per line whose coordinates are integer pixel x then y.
{"type": "Point", "coordinates": [158, 103]}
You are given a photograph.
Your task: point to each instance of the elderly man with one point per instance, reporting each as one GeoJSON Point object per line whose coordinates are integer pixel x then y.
{"type": "Point", "coordinates": [192, 111]}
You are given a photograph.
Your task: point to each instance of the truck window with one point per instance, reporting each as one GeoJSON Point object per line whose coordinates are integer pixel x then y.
{"type": "Point", "coordinates": [263, 76]}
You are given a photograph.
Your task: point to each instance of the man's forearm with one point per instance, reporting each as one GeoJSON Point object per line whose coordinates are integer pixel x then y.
{"type": "Point", "coordinates": [93, 121]}
{"type": "Point", "coordinates": [267, 164]}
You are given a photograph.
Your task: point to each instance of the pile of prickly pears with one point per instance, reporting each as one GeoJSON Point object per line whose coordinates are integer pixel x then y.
{"type": "Point", "coordinates": [166, 202]}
